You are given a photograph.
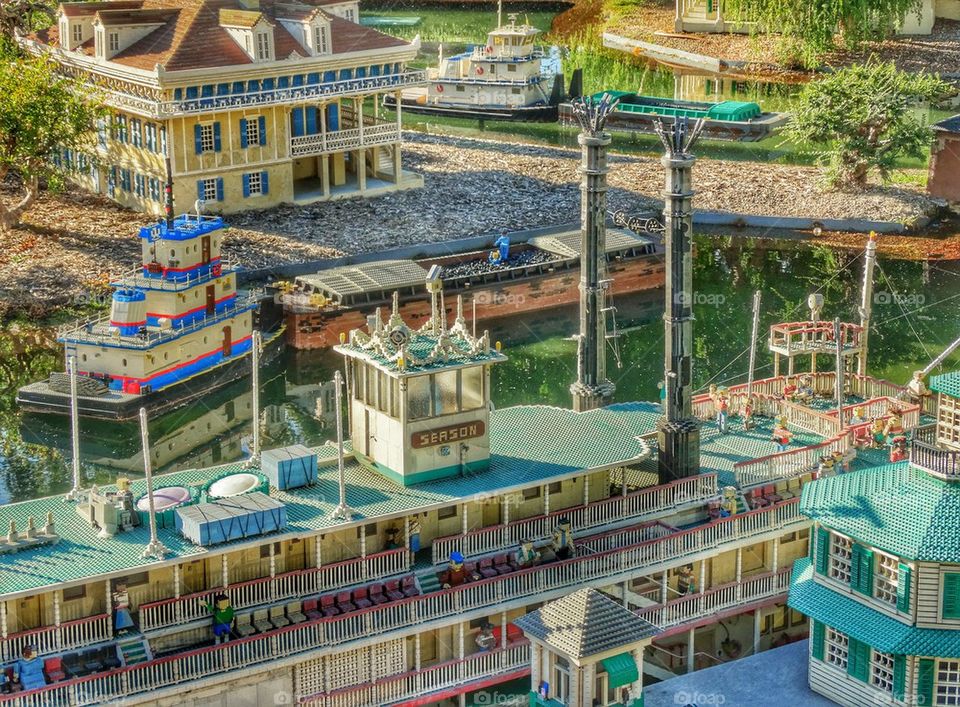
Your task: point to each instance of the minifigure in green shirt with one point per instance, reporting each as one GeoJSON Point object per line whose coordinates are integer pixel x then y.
{"type": "Point", "coordinates": [222, 617]}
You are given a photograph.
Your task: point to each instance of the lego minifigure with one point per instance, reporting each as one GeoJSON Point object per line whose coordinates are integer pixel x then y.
{"type": "Point", "coordinates": [28, 671]}
{"type": "Point", "coordinates": [485, 640]}
{"type": "Point", "coordinates": [826, 467]}
{"type": "Point", "coordinates": [527, 556]}
{"type": "Point", "coordinates": [916, 388]}
{"type": "Point", "coordinates": [728, 505]}
{"type": "Point", "coordinates": [455, 574]}
{"type": "Point", "coordinates": [894, 427]}
{"type": "Point", "coordinates": [392, 540]}
{"type": "Point", "coordinates": [222, 617]}
{"type": "Point", "coordinates": [686, 584]}
{"type": "Point", "coordinates": [781, 435]}
{"type": "Point", "coordinates": [789, 389]}
{"type": "Point", "coordinates": [122, 620]}
{"type": "Point", "coordinates": [805, 392]}
{"type": "Point", "coordinates": [721, 405]}
{"type": "Point", "coordinates": [898, 449]}
{"type": "Point", "coordinates": [562, 543]}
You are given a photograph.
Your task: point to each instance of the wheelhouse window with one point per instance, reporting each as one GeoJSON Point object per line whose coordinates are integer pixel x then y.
{"type": "Point", "coordinates": [445, 393]}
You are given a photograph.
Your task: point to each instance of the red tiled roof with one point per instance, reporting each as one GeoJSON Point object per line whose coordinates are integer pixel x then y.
{"type": "Point", "coordinates": [191, 36]}
{"type": "Point", "coordinates": [135, 17]}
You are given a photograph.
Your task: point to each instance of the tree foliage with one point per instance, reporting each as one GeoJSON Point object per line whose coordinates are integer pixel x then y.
{"type": "Point", "coordinates": [811, 28]}
{"type": "Point", "coordinates": [25, 15]}
{"type": "Point", "coordinates": [864, 118]}
{"type": "Point", "coordinates": [41, 113]}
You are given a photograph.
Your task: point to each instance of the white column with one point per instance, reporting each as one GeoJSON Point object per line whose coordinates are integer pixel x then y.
{"type": "Point", "coordinates": [224, 571]}
{"type": "Point", "coordinates": [623, 594]}
{"type": "Point", "coordinates": [3, 618]}
{"type": "Point", "coordinates": [575, 683]}
{"type": "Point", "coordinates": [363, 541]}
{"type": "Point", "coordinates": [416, 662]}
{"type": "Point", "coordinates": [56, 606]}
{"type": "Point", "coordinates": [586, 489]}
{"type": "Point", "coordinates": [703, 576]}
{"type": "Point", "coordinates": [106, 585]}
{"type": "Point", "coordinates": [176, 581]}
{"type": "Point", "coordinates": [273, 561]}
{"type": "Point", "coordinates": [636, 687]}
{"type": "Point", "coordinates": [691, 649]}
{"type": "Point", "coordinates": [535, 667]}
{"type": "Point", "coordinates": [775, 560]}
{"type": "Point", "coordinates": [546, 499]}
{"type": "Point", "coordinates": [318, 551]}
{"type": "Point", "coordinates": [464, 523]}
{"type": "Point", "coordinates": [586, 691]}
{"type": "Point", "coordinates": [503, 629]}
{"type": "Point", "coordinates": [756, 630]}
{"type": "Point", "coordinates": [664, 588]}
{"type": "Point", "coordinates": [739, 571]}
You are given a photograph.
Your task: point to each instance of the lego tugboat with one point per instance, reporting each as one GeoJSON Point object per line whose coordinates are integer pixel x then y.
{"type": "Point", "coordinates": [501, 80]}
{"type": "Point", "coordinates": [177, 330]}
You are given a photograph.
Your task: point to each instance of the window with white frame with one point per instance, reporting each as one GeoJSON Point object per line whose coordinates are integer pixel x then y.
{"type": "Point", "coordinates": [253, 131]}
{"type": "Point", "coordinates": [840, 553]}
{"type": "Point", "coordinates": [207, 142]}
{"type": "Point", "coordinates": [886, 578]}
{"type": "Point", "coordinates": [320, 39]}
{"type": "Point", "coordinates": [263, 46]}
{"type": "Point", "coordinates": [254, 183]}
{"type": "Point", "coordinates": [210, 189]}
{"type": "Point", "coordinates": [881, 670]}
{"type": "Point", "coordinates": [837, 647]}
{"type": "Point", "coordinates": [77, 32]}
{"type": "Point", "coordinates": [349, 14]}
{"type": "Point", "coordinates": [947, 691]}
{"type": "Point", "coordinates": [114, 45]}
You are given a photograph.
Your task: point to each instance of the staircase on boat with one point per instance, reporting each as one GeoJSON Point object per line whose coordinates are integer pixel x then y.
{"type": "Point", "coordinates": [132, 651]}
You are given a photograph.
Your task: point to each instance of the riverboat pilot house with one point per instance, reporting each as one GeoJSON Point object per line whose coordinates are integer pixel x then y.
{"type": "Point", "coordinates": [255, 103]}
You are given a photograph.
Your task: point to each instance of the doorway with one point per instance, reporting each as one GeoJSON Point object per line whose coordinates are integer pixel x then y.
{"type": "Point", "coordinates": [227, 341]}
{"type": "Point", "coordinates": [205, 250]}
{"type": "Point", "coordinates": [211, 300]}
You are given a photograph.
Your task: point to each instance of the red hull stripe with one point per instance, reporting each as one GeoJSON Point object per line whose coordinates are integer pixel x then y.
{"type": "Point", "coordinates": [143, 323]}
{"type": "Point", "coordinates": [179, 365]}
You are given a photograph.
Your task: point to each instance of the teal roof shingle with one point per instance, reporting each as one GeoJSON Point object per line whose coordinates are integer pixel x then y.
{"type": "Point", "coordinates": [897, 508]}
{"type": "Point", "coordinates": [847, 615]}
{"type": "Point", "coordinates": [947, 383]}
{"type": "Point", "coordinates": [528, 444]}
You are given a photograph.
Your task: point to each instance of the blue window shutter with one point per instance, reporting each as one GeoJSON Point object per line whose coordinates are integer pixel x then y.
{"type": "Point", "coordinates": [219, 188]}
{"type": "Point", "coordinates": [817, 635]}
{"type": "Point", "coordinates": [243, 132]}
{"type": "Point", "coordinates": [283, 82]}
{"type": "Point", "coordinates": [298, 80]}
{"type": "Point", "coordinates": [950, 601]}
{"type": "Point", "coordinates": [238, 87]}
{"type": "Point", "coordinates": [223, 89]}
{"type": "Point", "coordinates": [333, 117]}
{"type": "Point", "coordinates": [253, 86]}
{"type": "Point", "coordinates": [216, 136]}
{"type": "Point", "coordinates": [178, 94]}
{"type": "Point", "coordinates": [903, 588]}
{"type": "Point", "coordinates": [268, 84]}
{"type": "Point", "coordinates": [866, 572]}
{"type": "Point", "coordinates": [264, 183]}
{"type": "Point", "coordinates": [313, 78]}
{"type": "Point", "coordinates": [375, 70]}
{"type": "Point", "coordinates": [197, 140]}
{"type": "Point", "coordinates": [297, 118]}
{"type": "Point", "coordinates": [361, 72]}
{"type": "Point", "coordinates": [858, 660]}
{"type": "Point", "coordinates": [246, 185]}
{"type": "Point", "coordinates": [191, 92]}
{"type": "Point", "coordinates": [262, 122]}
{"type": "Point", "coordinates": [330, 76]}
{"type": "Point", "coordinates": [899, 676]}
{"type": "Point", "coordinates": [926, 669]}
{"type": "Point", "coordinates": [311, 120]}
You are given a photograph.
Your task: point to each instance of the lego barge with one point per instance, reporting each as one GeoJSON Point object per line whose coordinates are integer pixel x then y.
{"type": "Point", "coordinates": [727, 120]}
{"type": "Point", "coordinates": [177, 330]}
{"type": "Point", "coordinates": [538, 274]}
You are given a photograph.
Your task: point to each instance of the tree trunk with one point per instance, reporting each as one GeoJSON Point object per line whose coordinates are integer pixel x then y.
{"type": "Point", "coordinates": [10, 216]}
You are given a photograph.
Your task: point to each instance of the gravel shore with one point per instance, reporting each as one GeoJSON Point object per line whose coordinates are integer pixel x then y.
{"type": "Point", "coordinates": [68, 245]}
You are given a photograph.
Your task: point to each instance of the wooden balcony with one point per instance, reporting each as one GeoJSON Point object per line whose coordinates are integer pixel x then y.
{"type": "Point", "coordinates": [53, 639]}
{"type": "Point", "coordinates": [506, 663]}
{"type": "Point", "coordinates": [533, 584]}
{"type": "Point", "coordinates": [266, 590]}
{"type": "Point", "coordinates": [640, 505]}
{"type": "Point", "coordinates": [700, 606]}
{"type": "Point", "coordinates": [941, 462]}
{"type": "Point", "coordinates": [343, 140]}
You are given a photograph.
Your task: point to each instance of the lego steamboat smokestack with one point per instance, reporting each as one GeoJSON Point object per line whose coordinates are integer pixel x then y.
{"type": "Point", "coordinates": [592, 389]}
{"type": "Point", "coordinates": [678, 434]}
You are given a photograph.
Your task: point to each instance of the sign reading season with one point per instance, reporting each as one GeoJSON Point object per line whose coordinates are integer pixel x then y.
{"type": "Point", "coordinates": [445, 435]}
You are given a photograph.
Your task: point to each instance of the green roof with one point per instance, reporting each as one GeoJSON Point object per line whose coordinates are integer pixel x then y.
{"type": "Point", "coordinates": [847, 615]}
{"type": "Point", "coordinates": [896, 507]}
{"type": "Point", "coordinates": [528, 444]}
{"type": "Point", "coordinates": [948, 384]}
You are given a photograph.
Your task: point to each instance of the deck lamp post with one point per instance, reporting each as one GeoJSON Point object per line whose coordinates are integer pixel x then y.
{"type": "Point", "coordinates": [155, 549]}
{"type": "Point", "coordinates": [74, 492]}
{"type": "Point", "coordinates": [256, 346]}
{"type": "Point", "coordinates": [342, 511]}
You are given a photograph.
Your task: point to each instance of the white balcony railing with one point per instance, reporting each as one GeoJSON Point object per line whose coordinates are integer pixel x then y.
{"type": "Point", "coordinates": [416, 683]}
{"type": "Point", "coordinates": [671, 550]}
{"type": "Point", "coordinates": [52, 639]}
{"type": "Point", "coordinates": [637, 506]}
{"type": "Point", "coordinates": [340, 140]}
{"type": "Point", "coordinates": [290, 585]}
{"type": "Point", "coordinates": [696, 607]}
{"type": "Point", "coordinates": [151, 108]}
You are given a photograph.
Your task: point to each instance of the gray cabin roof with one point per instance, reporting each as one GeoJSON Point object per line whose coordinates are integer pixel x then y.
{"type": "Point", "coordinates": [585, 623]}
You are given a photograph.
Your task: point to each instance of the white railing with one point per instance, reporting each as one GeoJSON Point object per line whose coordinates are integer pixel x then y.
{"type": "Point", "coordinates": [152, 108]}
{"type": "Point", "coordinates": [265, 590]}
{"type": "Point", "coordinates": [695, 607]}
{"type": "Point", "coordinates": [339, 140]}
{"type": "Point", "coordinates": [635, 506]}
{"type": "Point", "coordinates": [672, 550]}
{"type": "Point", "coordinates": [415, 683]}
{"type": "Point", "coordinates": [52, 639]}
{"type": "Point", "coordinates": [135, 277]}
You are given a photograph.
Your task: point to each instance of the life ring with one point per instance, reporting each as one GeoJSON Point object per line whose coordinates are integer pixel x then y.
{"type": "Point", "coordinates": [479, 71]}
{"type": "Point", "coordinates": [439, 88]}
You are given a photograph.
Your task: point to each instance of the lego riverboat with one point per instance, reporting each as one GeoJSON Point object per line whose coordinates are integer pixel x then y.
{"type": "Point", "coordinates": [178, 329]}
{"type": "Point", "coordinates": [513, 275]}
{"type": "Point", "coordinates": [726, 120]}
{"type": "Point", "coordinates": [502, 80]}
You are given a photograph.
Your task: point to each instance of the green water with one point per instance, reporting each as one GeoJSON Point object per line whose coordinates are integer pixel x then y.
{"type": "Point", "coordinates": [605, 70]}
{"type": "Point", "coordinates": [34, 450]}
